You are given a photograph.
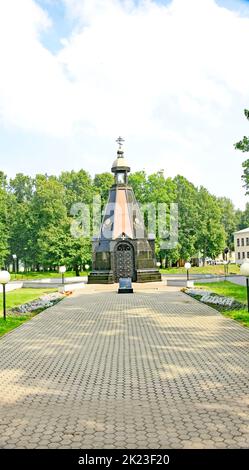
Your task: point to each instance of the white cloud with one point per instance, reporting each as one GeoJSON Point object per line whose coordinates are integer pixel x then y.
{"type": "Point", "coordinates": [177, 73]}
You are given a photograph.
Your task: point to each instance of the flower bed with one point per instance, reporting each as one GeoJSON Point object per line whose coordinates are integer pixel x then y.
{"type": "Point", "coordinates": [43, 302]}
{"type": "Point", "coordinates": [216, 301]}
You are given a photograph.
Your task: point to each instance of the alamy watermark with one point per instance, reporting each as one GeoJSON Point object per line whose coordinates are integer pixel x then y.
{"type": "Point", "coordinates": [152, 220]}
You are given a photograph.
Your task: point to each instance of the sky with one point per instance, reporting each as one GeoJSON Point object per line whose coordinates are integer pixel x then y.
{"type": "Point", "coordinates": [170, 76]}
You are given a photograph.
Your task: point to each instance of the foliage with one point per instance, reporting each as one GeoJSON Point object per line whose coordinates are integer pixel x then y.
{"type": "Point", "coordinates": [243, 218]}
{"type": "Point", "coordinates": [138, 181]}
{"type": "Point", "coordinates": [229, 220]}
{"type": "Point", "coordinates": [187, 199]}
{"type": "Point", "coordinates": [77, 186]}
{"type": "Point", "coordinates": [243, 145]}
{"type": "Point", "coordinates": [210, 238]}
{"type": "Point", "coordinates": [102, 183]}
{"type": "Point", "coordinates": [35, 217]}
{"type": "Point", "coordinates": [5, 206]}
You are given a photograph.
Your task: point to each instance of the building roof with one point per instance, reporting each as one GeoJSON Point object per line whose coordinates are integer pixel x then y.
{"type": "Point", "coordinates": [243, 231]}
{"type": "Point", "coordinates": [120, 162]}
{"type": "Point", "coordinates": [122, 216]}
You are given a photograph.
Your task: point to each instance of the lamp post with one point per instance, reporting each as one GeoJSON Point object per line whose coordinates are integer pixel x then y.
{"type": "Point", "coordinates": [62, 270]}
{"type": "Point", "coordinates": [4, 279]}
{"type": "Point", "coordinates": [244, 270]}
{"type": "Point", "coordinates": [187, 266]}
{"type": "Point", "coordinates": [86, 269]}
{"type": "Point", "coordinates": [225, 268]}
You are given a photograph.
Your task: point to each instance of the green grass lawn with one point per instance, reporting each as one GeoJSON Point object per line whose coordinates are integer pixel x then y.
{"type": "Point", "coordinates": [21, 296]}
{"type": "Point", "coordinates": [12, 322]}
{"type": "Point", "coordinates": [225, 288]}
{"type": "Point", "coordinates": [216, 269]}
{"type": "Point", "coordinates": [241, 316]}
{"type": "Point", "coordinates": [228, 289]}
{"type": "Point", "coordinates": [27, 276]}
{"type": "Point", "coordinates": [14, 299]}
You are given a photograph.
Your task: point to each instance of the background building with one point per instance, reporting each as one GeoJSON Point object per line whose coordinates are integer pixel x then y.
{"type": "Point", "coordinates": [241, 243]}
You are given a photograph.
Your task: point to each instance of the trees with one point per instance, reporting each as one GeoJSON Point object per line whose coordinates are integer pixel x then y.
{"type": "Point", "coordinates": [48, 221]}
{"type": "Point", "coordinates": [243, 218]}
{"type": "Point", "coordinates": [101, 185]}
{"type": "Point", "coordinates": [77, 186]}
{"type": "Point", "coordinates": [21, 191]}
{"type": "Point", "coordinates": [138, 182]}
{"type": "Point", "coordinates": [210, 237]}
{"type": "Point", "coordinates": [5, 207]}
{"type": "Point", "coordinates": [35, 217]}
{"type": "Point", "coordinates": [187, 199]}
{"type": "Point", "coordinates": [162, 192]}
{"type": "Point", "coordinates": [22, 187]}
{"type": "Point", "coordinates": [228, 219]}
{"type": "Point", "coordinates": [243, 145]}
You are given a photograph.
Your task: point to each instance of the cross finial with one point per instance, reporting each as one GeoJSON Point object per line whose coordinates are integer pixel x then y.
{"type": "Point", "coordinates": [120, 141]}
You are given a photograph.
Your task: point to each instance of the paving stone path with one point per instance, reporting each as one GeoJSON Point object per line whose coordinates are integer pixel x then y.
{"type": "Point", "coordinates": [102, 370]}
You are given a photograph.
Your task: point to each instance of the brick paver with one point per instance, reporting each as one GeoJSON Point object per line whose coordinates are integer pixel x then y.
{"type": "Point", "coordinates": [102, 370]}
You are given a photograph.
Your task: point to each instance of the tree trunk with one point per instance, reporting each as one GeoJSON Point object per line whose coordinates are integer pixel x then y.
{"type": "Point", "coordinates": [76, 269]}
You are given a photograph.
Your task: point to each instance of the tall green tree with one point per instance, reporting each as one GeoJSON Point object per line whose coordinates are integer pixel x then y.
{"type": "Point", "coordinates": [243, 218]}
{"type": "Point", "coordinates": [78, 187]}
{"type": "Point", "coordinates": [49, 221]}
{"type": "Point", "coordinates": [228, 220]}
{"type": "Point", "coordinates": [161, 192]}
{"type": "Point", "coordinates": [5, 205]}
{"type": "Point", "coordinates": [101, 185]}
{"type": "Point", "coordinates": [22, 187]}
{"type": "Point", "coordinates": [243, 145]}
{"type": "Point", "coordinates": [21, 190]}
{"type": "Point", "coordinates": [138, 182]}
{"type": "Point", "coordinates": [211, 235]}
{"type": "Point", "coordinates": [187, 199]}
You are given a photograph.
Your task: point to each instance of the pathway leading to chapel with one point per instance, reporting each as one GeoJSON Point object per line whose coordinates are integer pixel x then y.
{"type": "Point", "coordinates": [155, 369]}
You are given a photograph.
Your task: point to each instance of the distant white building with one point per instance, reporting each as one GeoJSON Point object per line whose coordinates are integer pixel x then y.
{"type": "Point", "coordinates": [241, 244]}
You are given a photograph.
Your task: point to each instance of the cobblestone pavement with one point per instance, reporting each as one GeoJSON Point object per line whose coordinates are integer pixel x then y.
{"type": "Point", "coordinates": [148, 370]}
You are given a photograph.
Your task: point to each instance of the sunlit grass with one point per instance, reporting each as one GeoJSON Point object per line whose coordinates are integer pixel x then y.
{"type": "Point", "coordinates": [14, 299]}
{"type": "Point", "coordinates": [228, 289]}
{"type": "Point", "coordinates": [225, 288]}
{"type": "Point", "coordinates": [28, 276]}
{"type": "Point", "coordinates": [18, 297]}
{"type": "Point", "coordinates": [216, 269]}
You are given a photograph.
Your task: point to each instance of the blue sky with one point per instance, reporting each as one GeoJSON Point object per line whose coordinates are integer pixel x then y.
{"type": "Point", "coordinates": [63, 24]}
{"type": "Point", "coordinates": [171, 77]}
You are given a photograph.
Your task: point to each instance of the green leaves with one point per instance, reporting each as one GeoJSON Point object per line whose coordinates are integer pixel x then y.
{"type": "Point", "coordinates": [243, 145]}
{"type": "Point", "coordinates": [211, 234]}
{"type": "Point", "coordinates": [35, 216]}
